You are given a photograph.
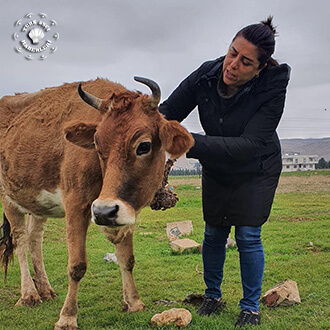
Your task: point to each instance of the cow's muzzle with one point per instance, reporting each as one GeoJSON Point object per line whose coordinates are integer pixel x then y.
{"type": "Point", "coordinates": [112, 213]}
{"type": "Point", "coordinates": [105, 216]}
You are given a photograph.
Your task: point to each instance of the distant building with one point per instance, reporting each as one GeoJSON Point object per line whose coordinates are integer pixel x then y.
{"type": "Point", "coordinates": [293, 161]}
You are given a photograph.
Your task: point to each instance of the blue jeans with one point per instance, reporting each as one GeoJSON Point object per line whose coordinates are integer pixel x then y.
{"type": "Point", "coordinates": [252, 260]}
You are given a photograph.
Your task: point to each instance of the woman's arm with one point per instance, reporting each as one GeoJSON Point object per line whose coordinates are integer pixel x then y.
{"type": "Point", "coordinates": [181, 102]}
{"type": "Point", "coordinates": [257, 133]}
{"type": "Point", "coordinates": [183, 99]}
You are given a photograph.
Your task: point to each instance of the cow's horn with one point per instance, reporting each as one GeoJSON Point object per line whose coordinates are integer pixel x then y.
{"type": "Point", "coordinates": [155, 98]}
{"type": "Point", "coordinates": [94, 101]}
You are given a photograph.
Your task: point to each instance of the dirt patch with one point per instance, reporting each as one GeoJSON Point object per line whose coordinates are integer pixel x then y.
{"type": "Point", "coordinates": [313, 183]}
{"type": "Point", "coordinates": [299, 219]}
{"type": "Point", "coordinates": [172, 181]}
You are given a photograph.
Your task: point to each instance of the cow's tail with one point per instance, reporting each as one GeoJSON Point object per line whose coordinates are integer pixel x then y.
{"type": "Point", "coordinates": [6, 245]}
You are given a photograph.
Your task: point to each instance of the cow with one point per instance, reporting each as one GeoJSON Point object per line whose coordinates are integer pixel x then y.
{"type": "Point", "coordinates": [92, 151]}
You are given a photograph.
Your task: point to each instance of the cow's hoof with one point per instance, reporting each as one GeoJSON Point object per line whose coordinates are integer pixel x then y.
{"type": "Point", "coordinates": [32, 299]}
{"type": "Point", "coordinates": [137, 307]}
{"type": "Point", "coordinates": [66, 323]}
{"type": "Point", "coordinates": [47, 294]}
{"type": "Point", "coordinates": [65, 327]}
{"type": "Point", "coordinates": [45, 291]}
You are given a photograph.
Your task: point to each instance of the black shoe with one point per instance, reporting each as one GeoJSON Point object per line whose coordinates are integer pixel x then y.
{"type": "Point", "coordinates": [247, 317]}
{"type": "Point", "coordinates": [209, 306]}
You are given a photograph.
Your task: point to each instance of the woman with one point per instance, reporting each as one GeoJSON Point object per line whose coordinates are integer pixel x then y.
{"type": "Point", "coordinates": [240, 99]}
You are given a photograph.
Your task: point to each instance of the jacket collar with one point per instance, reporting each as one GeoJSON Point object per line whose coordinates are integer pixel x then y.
{"type": "Point", "coordinates": [215, 70]}
{"type": "Point", "coordinates": [213, 74]}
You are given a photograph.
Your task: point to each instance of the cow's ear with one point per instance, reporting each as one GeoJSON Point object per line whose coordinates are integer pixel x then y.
{"type": "Point", "coordinates": [175, 138]}
{"type": "Point", "coordinates": [81, 134]}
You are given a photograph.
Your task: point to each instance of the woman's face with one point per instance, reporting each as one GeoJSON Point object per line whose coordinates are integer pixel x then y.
{"type": "Point", "coordinates": [241, 63]}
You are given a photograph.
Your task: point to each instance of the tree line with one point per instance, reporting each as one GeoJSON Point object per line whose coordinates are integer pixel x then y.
{"type": "Point", "coordinates": [322, 164]}
{"type": "Point", "coordinates": [184, 172]}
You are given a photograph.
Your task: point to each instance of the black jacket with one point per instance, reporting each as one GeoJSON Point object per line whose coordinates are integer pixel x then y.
{"type": "Point", "coordinates": [240, 153]}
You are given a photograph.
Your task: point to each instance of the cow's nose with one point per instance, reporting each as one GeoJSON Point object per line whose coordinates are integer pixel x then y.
{"type": "Point", "coordinates": [105, 215]}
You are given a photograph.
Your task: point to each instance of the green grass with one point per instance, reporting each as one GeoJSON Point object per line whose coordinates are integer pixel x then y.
{"type": "Point", "coordinates": [296, 220]}
{"type": "Point", "coordinates": [307, 173]}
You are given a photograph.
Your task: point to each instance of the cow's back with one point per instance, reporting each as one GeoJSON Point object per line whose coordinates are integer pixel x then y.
{"type": "Point", "coordinates": [51, 105]}
{"type": "Point", "coordinates": [32, 144]}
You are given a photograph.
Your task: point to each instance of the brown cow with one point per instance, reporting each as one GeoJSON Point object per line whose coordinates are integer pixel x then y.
{"type": "Point", "coordinates": [59, 156]}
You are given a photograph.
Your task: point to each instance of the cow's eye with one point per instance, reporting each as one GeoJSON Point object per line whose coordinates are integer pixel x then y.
{"type": "Point", "coordinates": [143, 148]}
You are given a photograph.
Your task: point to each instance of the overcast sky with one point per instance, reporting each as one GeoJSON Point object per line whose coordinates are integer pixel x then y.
{"type": "Point", "coordinates": [165, 40]}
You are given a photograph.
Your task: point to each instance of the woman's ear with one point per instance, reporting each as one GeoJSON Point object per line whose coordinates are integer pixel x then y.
{"type": "Point", "coordinates": [263, 67]}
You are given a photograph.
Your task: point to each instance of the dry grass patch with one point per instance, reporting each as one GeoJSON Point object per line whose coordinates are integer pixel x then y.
{"type": "Point", "coordinates": [287, 184]}
{"type": "Point", "coordinates": [313, 183]}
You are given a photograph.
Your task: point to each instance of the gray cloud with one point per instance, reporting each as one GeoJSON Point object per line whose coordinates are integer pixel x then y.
{"type": "Point", "coordinates": [166, 40]}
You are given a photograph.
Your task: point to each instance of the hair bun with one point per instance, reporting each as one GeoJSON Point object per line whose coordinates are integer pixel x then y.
{"type": "Point", "coordinates": [269, 23]}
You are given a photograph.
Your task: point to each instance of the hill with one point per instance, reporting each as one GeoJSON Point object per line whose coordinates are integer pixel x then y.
{"type": "Point", "coordinates": [319, 147]}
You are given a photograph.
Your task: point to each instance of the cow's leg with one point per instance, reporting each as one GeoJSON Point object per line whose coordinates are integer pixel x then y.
{"type": "Point", "coordinates": [35, 228]}
{"type": "Point", "coordinates": [125, 257]}
{"type": "Point", "coordinates": [76, 228]}
{"type": "Point", "coordinates": [29, 294]}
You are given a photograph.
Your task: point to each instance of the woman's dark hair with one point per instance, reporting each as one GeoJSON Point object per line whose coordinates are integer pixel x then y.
{"type": "Point", "coordinates": [261, 35]}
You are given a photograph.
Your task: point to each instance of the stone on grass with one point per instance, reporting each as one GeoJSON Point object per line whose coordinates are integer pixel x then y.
{"type": "Point", "coordinates": [176, 229]}
{"type": "Point", "coordinates": [185, 245]}
{"type": "Point", "coordinates": [179, 317]}
{"type": "Point", "coordinates": [230, 242]}
{"type": "Point", "coordinates": [111, 257]}
{"type": "Point", "coordinates": [283, 294]}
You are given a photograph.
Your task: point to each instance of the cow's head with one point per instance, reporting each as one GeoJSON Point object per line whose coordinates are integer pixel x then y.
{"type": "Point", "coordinates": [131, 141]}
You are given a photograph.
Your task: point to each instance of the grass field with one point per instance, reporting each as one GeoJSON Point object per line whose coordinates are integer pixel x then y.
{"type": "Point", "coordinates": [300, 215]}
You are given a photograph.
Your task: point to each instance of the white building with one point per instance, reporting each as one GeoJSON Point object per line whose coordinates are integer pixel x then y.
{"type": "Point", "coordinates": [293, 161]}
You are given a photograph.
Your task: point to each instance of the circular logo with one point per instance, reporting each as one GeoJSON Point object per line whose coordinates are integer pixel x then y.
{"type": "Point", "coordinates": [35, 36]}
